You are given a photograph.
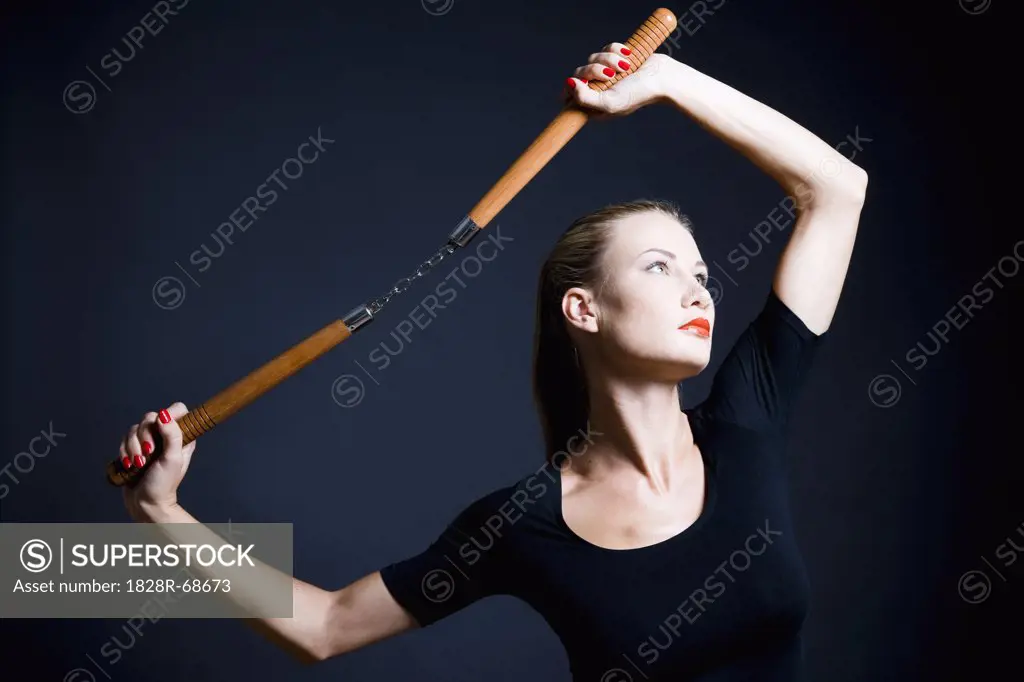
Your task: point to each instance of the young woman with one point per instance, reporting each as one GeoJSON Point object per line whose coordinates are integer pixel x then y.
{"type": "Point", "coordinates": [657, 542]}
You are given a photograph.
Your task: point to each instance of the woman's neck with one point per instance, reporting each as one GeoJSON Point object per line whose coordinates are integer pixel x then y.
{"type": "Point", "coordinates": [643, 430]}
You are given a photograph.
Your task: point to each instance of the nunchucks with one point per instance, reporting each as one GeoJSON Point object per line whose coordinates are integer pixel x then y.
{"type": "Point", "coordinates": [643, 43]}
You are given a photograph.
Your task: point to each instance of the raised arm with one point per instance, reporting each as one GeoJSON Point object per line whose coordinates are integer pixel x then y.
{"type": "Point", "coordinates": [827, 189]}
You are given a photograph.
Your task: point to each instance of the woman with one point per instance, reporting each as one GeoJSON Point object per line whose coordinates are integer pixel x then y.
{"type": "Point", "coordinates": [655, 541]}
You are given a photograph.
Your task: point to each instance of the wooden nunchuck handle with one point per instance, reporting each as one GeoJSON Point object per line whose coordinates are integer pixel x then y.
{"type": "Point", "coordinates": [642, 44]}
{"type": "Point", "coordinates": [239, 394]}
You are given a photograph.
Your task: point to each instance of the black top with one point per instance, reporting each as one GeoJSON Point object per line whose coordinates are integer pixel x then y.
{"type": "Point", "coordinates": [724, 599]}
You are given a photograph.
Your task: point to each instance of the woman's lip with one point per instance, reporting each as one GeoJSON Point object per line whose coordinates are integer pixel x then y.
{"type": "Point", "coordinates": [698, 323]}
{"type": "Point", "coordinates": [695, 329]}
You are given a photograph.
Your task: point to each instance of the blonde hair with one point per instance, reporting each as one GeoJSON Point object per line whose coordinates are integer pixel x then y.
{"type": "Point", "coordinates": [559, 385]}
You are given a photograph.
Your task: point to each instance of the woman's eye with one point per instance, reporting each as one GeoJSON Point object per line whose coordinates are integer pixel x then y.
{"type": "Point", "coordinates": [703, 279]}
{"type": "Point", "coordinates": [658, 263]}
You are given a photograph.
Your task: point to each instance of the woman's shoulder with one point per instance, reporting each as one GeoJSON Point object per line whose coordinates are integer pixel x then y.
{"type": "Point", "coordinates": [530, 497]}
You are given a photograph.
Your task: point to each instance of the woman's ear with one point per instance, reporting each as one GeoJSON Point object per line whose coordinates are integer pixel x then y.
{"type": "Point", "coordinates": [580, 309]}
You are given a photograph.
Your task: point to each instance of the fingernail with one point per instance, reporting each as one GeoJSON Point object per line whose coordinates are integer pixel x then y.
{"type": "Point", "coordinates": [138, 461]}
{"type": "Point", "coordinates": [165, 417]}
{"type": "Point", "coordinates": [584, 80]}
{"type": "Point", "coordinates": [626, 51]}
{"type": "Point", "coordinates": [146, 447]}
{"type": "Point", "coordinates": [624, 64]}
{"type": "Point", "coordinates": [126, 462]}
{"type": "Point", "coordinates": [609, 71]}
{"type": "Point", "coordinates": [570, 82]}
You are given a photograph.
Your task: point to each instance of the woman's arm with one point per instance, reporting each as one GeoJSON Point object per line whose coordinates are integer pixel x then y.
{"type": "Point", "coordinates": [324, 623]}
{"type": "Point", "coordinates": [827, 188]}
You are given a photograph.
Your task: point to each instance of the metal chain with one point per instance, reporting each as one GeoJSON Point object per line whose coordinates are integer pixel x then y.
{"type": "Point", "coordinates": [401, 285]}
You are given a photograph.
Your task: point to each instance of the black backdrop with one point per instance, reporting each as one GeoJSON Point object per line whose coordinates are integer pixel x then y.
{"type": "Point", "coordinates": [905, 465]}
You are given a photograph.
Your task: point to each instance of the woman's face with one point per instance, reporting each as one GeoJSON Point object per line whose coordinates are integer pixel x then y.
{"type": "Point", "coordinates": [654, 284]}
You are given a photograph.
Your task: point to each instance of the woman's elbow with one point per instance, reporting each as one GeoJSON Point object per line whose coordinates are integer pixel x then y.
{"type": "Point", "coordinates": [857, 181]}
{"type": "Point", "coordinates": [840, 183]}
{"type": "Point", "coordinates": [848, 182]}
{"type": "Point", "coordinates": [307, 658]}
{"type": "Point", "coordinates": [307, 654]}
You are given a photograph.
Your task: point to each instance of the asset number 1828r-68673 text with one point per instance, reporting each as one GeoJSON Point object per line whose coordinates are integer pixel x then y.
{"type": "Point", "coordinates": [171, 585]}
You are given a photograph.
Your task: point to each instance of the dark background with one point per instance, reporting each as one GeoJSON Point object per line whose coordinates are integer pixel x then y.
{"type": "Point", "coordinates": [893, 503]}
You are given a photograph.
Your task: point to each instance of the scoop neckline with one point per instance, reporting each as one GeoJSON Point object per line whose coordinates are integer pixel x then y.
{"type": "Point", "coordinates": [710, 502]}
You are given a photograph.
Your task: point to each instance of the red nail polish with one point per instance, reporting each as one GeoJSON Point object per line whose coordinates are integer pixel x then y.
{"type": "Point", "coordinates": [609, 71]}
{"type": "Point", "coordinates": [624, 64]}
{"type": "Point", "coordinates": [146, 447]}
{"type": "Point", "coordinates": [584, 80]}
{"type": "Point", "coordinates": [165, 417]}
{"type": "Point", "coordinates": [126, 462]}
{"type": "Point", "coordinates": [138, 461]}
{"type": "Point", "coordinates": [626, 51]}
{"type": "Point", "coordinates": [570, 82]}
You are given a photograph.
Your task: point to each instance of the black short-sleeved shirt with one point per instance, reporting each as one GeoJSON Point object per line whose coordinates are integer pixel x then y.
{"type": "Point", "coordinates": [724, 599]}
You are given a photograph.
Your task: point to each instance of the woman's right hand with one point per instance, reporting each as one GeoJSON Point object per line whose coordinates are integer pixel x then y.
{"type": "Point", "coordinates": [154, 445]}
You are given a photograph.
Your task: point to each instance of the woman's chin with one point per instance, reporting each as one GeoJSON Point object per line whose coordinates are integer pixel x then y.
{"type": "Point", "coordinates": [694, 363]}
{"type": "Point", "coordinates": [686, 366]}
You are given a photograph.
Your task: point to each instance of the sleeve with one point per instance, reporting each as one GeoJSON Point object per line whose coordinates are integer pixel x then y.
{"type": "Point", "coordinates": [464, 564]}
{"type": "Point", "coordinates": [762, 375]}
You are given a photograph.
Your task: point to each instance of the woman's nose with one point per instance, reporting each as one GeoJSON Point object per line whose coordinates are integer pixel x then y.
{"type": "Point", "coordinates": [697, 296]}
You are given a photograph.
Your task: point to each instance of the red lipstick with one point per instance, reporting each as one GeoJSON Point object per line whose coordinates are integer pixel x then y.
{"type": "Point", "coordinates": [699, 326]}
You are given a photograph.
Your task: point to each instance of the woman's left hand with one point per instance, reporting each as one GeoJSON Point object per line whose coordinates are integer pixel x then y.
{"type": "Point", "coordinates": [626, 96]}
